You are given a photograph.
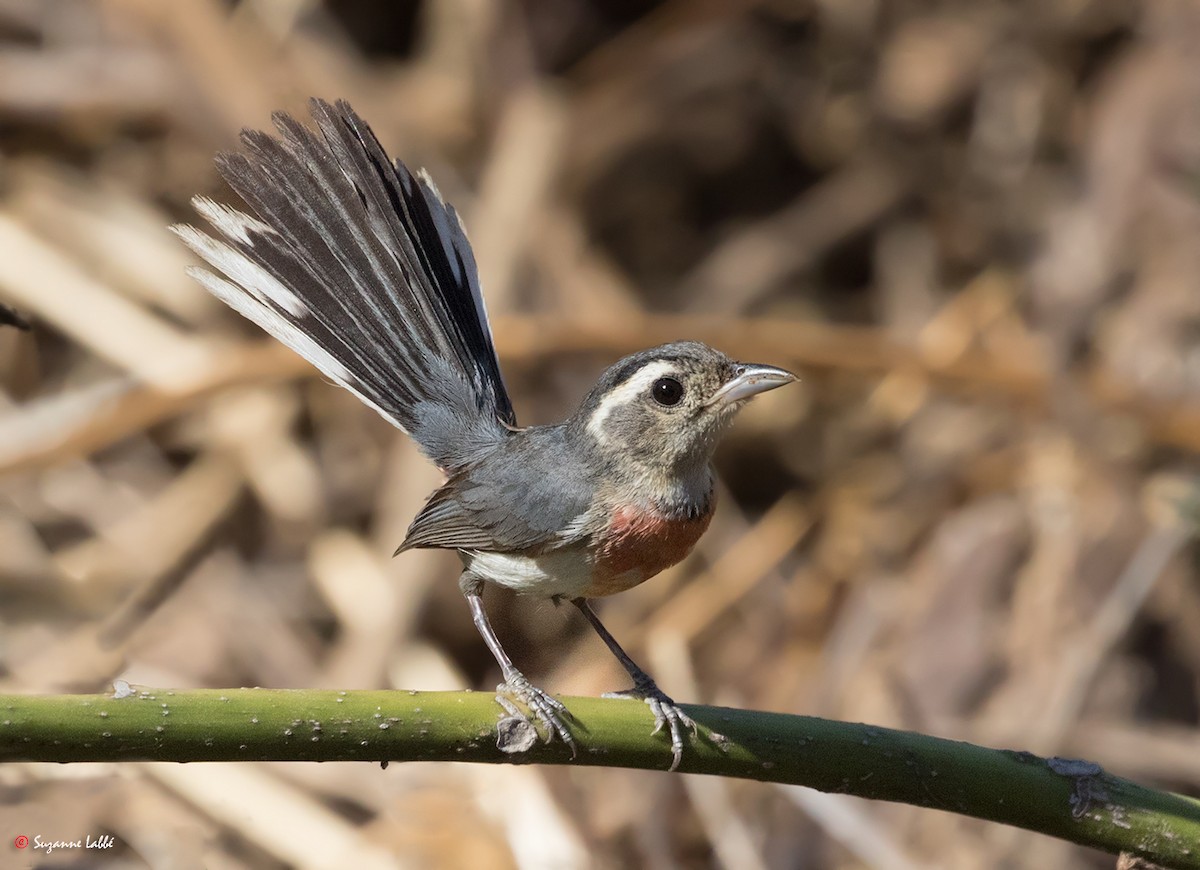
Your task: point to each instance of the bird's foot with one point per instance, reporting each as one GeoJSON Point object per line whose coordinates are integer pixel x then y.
{"type": "Point", "coordinates": [548, 709]}
{"type": "Point", "coordinates": [667, 714]}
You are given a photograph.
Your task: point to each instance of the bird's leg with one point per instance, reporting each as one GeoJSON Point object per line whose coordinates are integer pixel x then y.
{"type": "Point", "coordinates": [666, 712]}
{"type": "Point", "coordinates": [547, 709]}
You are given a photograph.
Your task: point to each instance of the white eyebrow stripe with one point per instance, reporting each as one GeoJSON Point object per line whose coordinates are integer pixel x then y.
{"type": "Point", "coordinates": [625, 392]}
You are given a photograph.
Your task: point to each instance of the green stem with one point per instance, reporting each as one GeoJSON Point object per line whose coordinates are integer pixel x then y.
{"type": "Point", "coordinates": [1072, 800]}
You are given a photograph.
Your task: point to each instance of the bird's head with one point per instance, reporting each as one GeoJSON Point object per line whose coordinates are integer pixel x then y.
{"type": "Point", "coordinates": [662, 410]}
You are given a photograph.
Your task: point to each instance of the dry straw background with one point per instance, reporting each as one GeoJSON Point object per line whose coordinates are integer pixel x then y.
{"type": "Point", "coordinates": [973, 228]}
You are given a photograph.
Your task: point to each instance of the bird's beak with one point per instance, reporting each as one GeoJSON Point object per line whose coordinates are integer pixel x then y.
{"type": "Point", "coordinates": [749, 380]}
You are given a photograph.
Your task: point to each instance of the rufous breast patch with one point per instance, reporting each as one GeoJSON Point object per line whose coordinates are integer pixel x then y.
{"type": "Point", "coordinates": [639, 543]}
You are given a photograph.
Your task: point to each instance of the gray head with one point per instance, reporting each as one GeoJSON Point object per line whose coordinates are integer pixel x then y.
{"type": "Point", "coordinates": [664, 409]}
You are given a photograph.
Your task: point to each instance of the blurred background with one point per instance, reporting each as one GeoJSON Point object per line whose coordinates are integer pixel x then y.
{"type": "Point", "coordinates": [972, 229]}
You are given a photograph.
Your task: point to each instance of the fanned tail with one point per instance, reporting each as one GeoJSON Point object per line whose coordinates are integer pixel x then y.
{"type": "Point", "coordinates": [359, 266]}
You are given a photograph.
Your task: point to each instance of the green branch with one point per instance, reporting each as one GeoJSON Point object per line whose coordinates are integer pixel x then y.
{"type": "Point", "coordinates": [1072, 800]}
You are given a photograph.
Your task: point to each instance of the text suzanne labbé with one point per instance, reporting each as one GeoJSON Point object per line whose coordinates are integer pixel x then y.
{"type": "Point", "coordinates": [104, 841]}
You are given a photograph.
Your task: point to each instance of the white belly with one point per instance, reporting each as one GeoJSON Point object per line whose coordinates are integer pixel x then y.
{"type": "Point", "coordinates": [559, 572]}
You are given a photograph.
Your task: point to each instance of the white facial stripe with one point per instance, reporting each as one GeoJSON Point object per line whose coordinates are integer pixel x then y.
{"type": "Point", "coordinates": [626, 392]}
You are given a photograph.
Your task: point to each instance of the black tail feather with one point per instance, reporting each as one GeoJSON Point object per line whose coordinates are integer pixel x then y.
{"type": "Point", "coordinates": [359, 265]}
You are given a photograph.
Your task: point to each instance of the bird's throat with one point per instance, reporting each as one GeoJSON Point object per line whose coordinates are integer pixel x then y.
{"type": "Point", "coordinates": [674, 495]}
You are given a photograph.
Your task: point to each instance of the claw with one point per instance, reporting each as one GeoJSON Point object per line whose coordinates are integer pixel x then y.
{"type": "Point", "coordinates": [667, 714]}
{"type": "Point", "coordinates": [548, 710]}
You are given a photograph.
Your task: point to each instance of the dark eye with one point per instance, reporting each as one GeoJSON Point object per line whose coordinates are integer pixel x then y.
{"type": "Point", "coordinates": [667, 391]}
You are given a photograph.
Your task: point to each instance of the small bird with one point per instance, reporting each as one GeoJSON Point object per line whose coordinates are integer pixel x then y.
{"type": "Point", "coordinates": [361, 267]}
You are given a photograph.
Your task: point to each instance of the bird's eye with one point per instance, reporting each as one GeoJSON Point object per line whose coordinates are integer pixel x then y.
{"type": "Point", "coordinates": [667, 391]}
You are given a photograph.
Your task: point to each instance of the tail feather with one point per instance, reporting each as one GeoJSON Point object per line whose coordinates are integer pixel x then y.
{"type": "Point", "coordinates": [361, 267]}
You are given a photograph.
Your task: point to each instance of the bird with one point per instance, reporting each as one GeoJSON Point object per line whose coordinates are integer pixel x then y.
{"type": "Point", "coordinates": [361, 267]}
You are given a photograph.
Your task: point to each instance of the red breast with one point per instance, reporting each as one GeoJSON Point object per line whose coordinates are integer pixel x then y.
{"type": "Point", "coordinates": [640, 542]}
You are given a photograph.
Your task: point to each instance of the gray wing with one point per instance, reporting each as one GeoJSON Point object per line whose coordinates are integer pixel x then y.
{"type": "Point", "coordinates": [359, 265]}
{"type": "Point", "coordinates": [535, 495]}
